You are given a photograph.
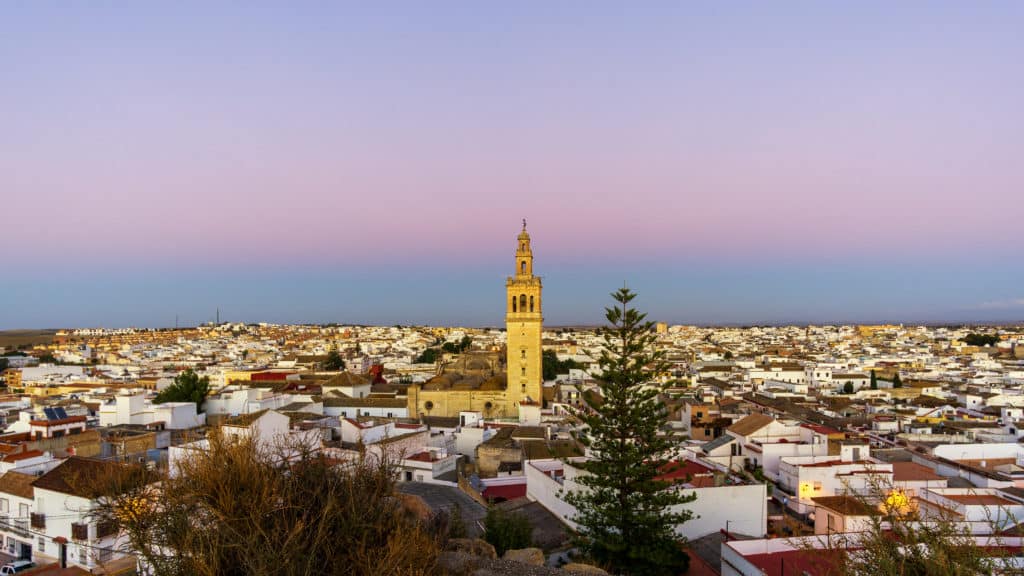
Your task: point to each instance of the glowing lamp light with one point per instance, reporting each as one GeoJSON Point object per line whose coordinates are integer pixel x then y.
{"type": "Point", "coordinates": [897, 500]}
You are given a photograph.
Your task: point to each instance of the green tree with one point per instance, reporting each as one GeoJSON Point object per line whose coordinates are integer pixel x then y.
{"type": "Point", "coordinates": [551, 366]}
{"type": "Point", "coordinates": [334, 361]}
{"type": "Point", "coordinates": [187, 387]}
{"type": "Point", "coordinates": [428, 356]}
{"type": "Point", "coordinates": [507, 530]}
{"type": "Point", "coordinates": [626, 512]}
{"type": "Point", "coordinates": [896, 381]}
{"type": "Point", "coordinates": [874, 380]}
{"type": "Point", "coordinates": [4, 363]}
{"type": "Point", "coordinates": [457, 347]}
{"type": "Point", "coordinates": [848, 388]}
{"type": "Point", "coordinates": [981, 339]}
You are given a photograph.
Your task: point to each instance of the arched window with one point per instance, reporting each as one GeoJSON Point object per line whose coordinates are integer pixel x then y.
{"type": "Point", "coordinates": [531, 303]}
{"type": "Point", "coordinates": [522, 302]}
{"type": "Point", "coordinates": [514, 304]}
{"type": "Point", "coordinates": [522, 267]}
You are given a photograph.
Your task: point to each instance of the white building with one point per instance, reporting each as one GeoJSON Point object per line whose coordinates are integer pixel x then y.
{"type": "Point", "coordinates": [136, 409]}
{"type": "Point", "coordinates": [742, 509]}
{"type": "Point", "coordinates": [62, 508]}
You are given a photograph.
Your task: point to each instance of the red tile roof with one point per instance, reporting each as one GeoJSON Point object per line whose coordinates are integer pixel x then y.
{"type": "Point", "coordinates": [22, 455]}
{"type": "Point", "coordinates": [911, 471]}
{"type": "Point", "coordinates": [687, 469]}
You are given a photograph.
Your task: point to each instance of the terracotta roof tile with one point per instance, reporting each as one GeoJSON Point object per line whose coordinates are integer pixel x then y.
{"type": "Point", "coordinates": [17, 484]}
{"type": "Point", "coordinates": [751, 424]}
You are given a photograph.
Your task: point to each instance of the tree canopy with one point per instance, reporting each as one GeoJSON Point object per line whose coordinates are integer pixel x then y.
{"type": "Point", "coordinates": [457, 347]}
{"type": "Point", "coordinates": [187, 387]}
{"type": "Point", "coordinates": [981, 339]}
{"type": "Point", "coordinates": [626, 512]}
{"type": "Point", "coordinates": [551, 366]}
{"type": "Point", "coordinates": [334, 361]}
{"type": "Point", "coordinates": [428, 356]}
{"type": "Point", "coordinates": [234, 510]}
{"type": "Point", "coordinates": [507, 530]}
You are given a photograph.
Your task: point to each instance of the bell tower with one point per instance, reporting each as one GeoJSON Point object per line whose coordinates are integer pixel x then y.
{"type": "Point", "coordinates": [524, 324]}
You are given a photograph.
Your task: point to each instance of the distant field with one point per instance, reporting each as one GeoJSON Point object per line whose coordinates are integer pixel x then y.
{"type": "Point", "coordinates": [16, 338]}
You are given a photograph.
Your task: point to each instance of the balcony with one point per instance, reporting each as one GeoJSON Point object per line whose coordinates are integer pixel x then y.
{"type": "Point", "coordinates": [38, 521]}
{"type": "Point", "coordinates": [104, 529]}
{"type": "Point", "coordinates": [79, 531]}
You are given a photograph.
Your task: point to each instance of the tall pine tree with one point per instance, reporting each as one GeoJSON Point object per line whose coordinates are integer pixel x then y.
{"type": "Point", "coordinates": [874, 380]}
{"type": "Point", "coordinates": [626, 512]}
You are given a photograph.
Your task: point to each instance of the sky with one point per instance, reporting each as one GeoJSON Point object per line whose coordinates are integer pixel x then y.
{"type": "Point", "coordinates": [734, 163]}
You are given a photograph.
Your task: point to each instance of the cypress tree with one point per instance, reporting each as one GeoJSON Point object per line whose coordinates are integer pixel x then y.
{"type": "Point", "coordinates": [874, 381]}
{"type": "Point", "coordinates": [896, 382]}
{"type": "Point", "coordinates": [626, 513]}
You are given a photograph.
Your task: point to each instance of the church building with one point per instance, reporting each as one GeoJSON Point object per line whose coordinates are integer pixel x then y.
{"type": "Point", "coordinates": [476, 382]}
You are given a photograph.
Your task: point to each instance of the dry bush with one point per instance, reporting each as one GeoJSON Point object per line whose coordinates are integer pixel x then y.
{"type": "Point", "coordinates": [237, 509]}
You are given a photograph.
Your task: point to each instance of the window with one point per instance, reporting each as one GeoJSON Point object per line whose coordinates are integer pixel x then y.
{"type": "Point", "coordinates": [514, 304]}
{"type": "Point", "coordinates": [522, 302]}
{"type": "Point", "coordinates": [524, 370]}
{"type": "Point", "coordinates": [817, 486]}
{"type": "Point", "coordinates": [41, 544]}
{"type": "Point", "coordinates": [531, 303]}
{"type": "Point", "coordinates": [707, 432]}
{"type": "Point", "coordinates": [522, 267]}
{"type": "Point", "coordinates": [700, 414]}
{"type": "Point", "coordinates": [831, 522]}
{"type": "Point", "coordinates": [83, 558]}
{"type": "Point", "coordinates": [4, 506]}
{"type": "Point", "coordinates": [523, 354]}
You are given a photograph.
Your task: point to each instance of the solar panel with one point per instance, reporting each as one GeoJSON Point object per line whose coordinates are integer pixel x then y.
{"type": "Point", "coordinates": [61, 414]}
{"type": "Point", "coordinates": [49, 414]}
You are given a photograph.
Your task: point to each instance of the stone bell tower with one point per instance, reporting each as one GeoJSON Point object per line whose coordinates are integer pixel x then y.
{"type": "Point", "coordinates": [524, 323]}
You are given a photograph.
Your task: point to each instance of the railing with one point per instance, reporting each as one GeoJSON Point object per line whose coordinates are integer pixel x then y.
{"type": "Point", "coordinates": [104, 529]}
{"type": "Point", "coordinates": [38, 521]}
{"type": "Point", "coordinates": [79, 531]}
{"type": "Point", "coordinates": [19, 527]}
